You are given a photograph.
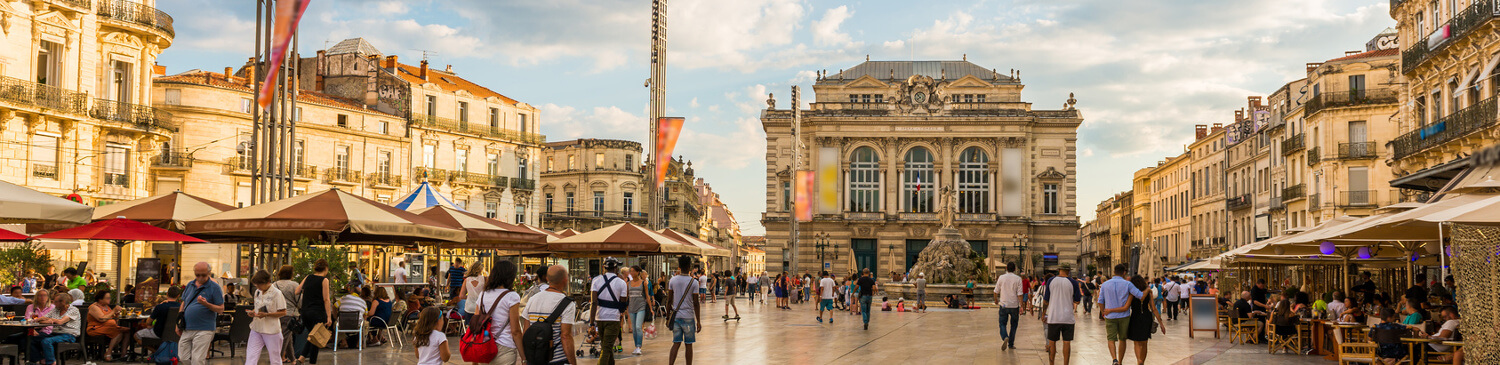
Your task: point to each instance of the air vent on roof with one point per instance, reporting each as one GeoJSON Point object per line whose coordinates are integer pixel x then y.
{"type": "Point", "coordinates": [445, 79]}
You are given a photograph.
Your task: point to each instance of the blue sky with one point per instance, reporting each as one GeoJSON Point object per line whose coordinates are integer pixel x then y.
{"type": "Point", "coordinates": [1144, 71]}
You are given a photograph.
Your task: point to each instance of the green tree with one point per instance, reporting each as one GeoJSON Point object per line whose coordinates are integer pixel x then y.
{"type": "Point", "coordinates": [337, 255]}
{"type": "Point", "coordinates": [19, 257]}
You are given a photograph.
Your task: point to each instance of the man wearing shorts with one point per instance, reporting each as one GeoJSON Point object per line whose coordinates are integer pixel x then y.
{"type": "Point", "coordinates": [1058, 308]}
{"type": "Point", "coordinates": [921, 285]}
{"type": "Point", "coordinates": [686, 309]}
{"type": "Point", "coordinates": [1116, 293]}
{"type": "Point", "coordinates": [825, 292]}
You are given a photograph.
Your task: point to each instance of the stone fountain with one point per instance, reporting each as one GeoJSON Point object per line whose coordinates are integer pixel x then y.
{"type": "Point", "coordinates": [948, 258]}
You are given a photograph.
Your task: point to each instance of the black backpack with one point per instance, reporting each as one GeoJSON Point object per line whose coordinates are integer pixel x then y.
{"type": "Point", "coordinates": [537, 340]}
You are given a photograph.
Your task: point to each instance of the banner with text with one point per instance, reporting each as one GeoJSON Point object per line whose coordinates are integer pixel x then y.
{"type": "Point", "coordinates": [803, 184]}
{"type": "Point", "coordinates": [828, 180]}
{"type": "Point", "coordinates": [288, 13]}
{"type": "Point", "coordinates": [667, 130]}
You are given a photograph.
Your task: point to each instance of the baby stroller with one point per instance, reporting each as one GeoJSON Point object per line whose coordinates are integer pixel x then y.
{"type": "Point", "coordinates": [590, 344]}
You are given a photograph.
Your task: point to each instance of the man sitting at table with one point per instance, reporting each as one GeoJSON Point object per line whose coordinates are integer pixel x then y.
{"type": "Point", "coordinates": [1447, 332]}
{"type": "Point", "coordinates": [354, 302]}
{"type": "Point", "coordinates": [15, 297]}
{"type": "Point", "coordinates": [159, 315]}
{"type": "Point", "coordinates": [1245, 311]}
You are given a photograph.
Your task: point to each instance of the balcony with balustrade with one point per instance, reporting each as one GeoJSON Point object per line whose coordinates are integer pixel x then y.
{"type": "Point", "coordinates": [343, 176]}
{"type": "Point", "coordinates": [1474, 118]}
{"type": "Point", "coordinates": [380, 180]}
{"type": "Point", "coordinates": [117, 179]}
{"type": "Point", "coordinates": [130, 116]}
{"type": "Point", "coordinates": [429, 174]}
{"type": "Point", "coordinates": [1357, 150]}
{"type": "Point", "coordinates": [522, 183]}
{"type": "Point", "coordinates": [1472, 18]}
{"type": "Point", "coordinates": [237, 165]}
{"type": "Point", "coordinates": [458, 126]}
{"type": "Point", "coordinates": [172, 160]}
{"type": "Point", "coordinates": [1239, 202]}
{"type": "Point", "coordinates": [31, 96]}
{"type": "Point", "coordinates": [1314, 156]}
{"type": "Point", "coordinates": [1352, 98]}
{"type": "Point", "coordinates": [134, 15]}
{"type": "Point", "coordinates": [1293, 192]}
{"type": "Point", "coordinates": [1356, 199]}
{"type": "Point", "coordinates": [1292, 144]}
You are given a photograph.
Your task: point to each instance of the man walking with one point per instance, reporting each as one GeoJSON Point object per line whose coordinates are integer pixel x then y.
{"type": "Point", "coordinates": [1116, 293]}
{"type": "Point", "coordinates": [866, 285]}
{"type": "Point", "coordinates": [202, 301]}
{"type": "Point", "coordinates": [1008, 297]}
{"type": "Point", "coordinates": [1058, 308]}
{"type": "Point", "coordinates": [456, 277]}
{"type": "Point", "coordinates": [752, 286]}
{"type": "Point", "coordinates": [685, 319]}
{"type": "Point", "coordinates": [543, 303]}
{"type": "Point", "coordinates": [1170, 289]}
{"type": "Point", "coordinates": [825, 292]}
{"type": "Point", "coordinates": [921, 285]}
{"type": "Point", "coordinates": [608, 317]}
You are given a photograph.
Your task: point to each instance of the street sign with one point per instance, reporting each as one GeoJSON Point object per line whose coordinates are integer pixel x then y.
{"type": "Point", "coordinates": [826, 265]}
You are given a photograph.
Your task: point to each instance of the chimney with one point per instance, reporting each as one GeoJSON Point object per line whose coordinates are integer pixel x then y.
{"type": "Point", "coordinates": [159, 70]}
{"type": "Point", "coordinates": [1254, 102]}
{"type": "Point", "coordinates": [390, 62]}
{"type": "Point", "coordinates": [1239, 115]}
{"type": "Point", "coordinates": [1313, 66]}
{"type": "Point", "coordinates": [1216, 127]}
{"type": "Point", "coordinates": [423, 74]}
{"type": "Point", "coordinates": [253, 68]}
{"type": "Point", "coordinates": [1200, 131]}
{"type": "Point", "coordinates": [1351, 53]}
{"type": "Point", "coordinates": [448, 69]}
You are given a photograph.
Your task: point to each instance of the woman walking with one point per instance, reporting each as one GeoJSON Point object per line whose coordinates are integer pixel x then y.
{"type": "Point", "coordinates": [470, 287]}
{"type": "Point", "coordinates": [317, 309]}
{"type": "Point", "coordinates": [288, 290]}
{"type": "Point", "coordinates": [265, 327]}
{"type": "Point", "coordinates": [505, 319]}
{"type": "Point", "coordinates": [639, 304]}
{"type": "Point", "coordinates": [1143, 316]}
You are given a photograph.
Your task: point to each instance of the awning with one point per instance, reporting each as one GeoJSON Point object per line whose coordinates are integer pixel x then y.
{"type": "Point", "coordinates": [1432, 178]}
{"type": "Point", "coordinates": [1484, 74]}
{"type": "Point", "coordinates": [19, 204]}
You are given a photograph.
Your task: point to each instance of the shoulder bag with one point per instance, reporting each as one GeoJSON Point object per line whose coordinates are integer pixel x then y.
{"type": "Point", "coordinates": [477, 345]}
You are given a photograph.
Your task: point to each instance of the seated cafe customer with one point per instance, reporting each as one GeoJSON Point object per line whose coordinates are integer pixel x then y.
{"type": "Point", "coordinates": [159, 315]}
{"type": "Point", "coordinates": [102, 322]}
{"type": "Point", "coordinates": [15, 297]}
{"type": "Point", "coordinates": [68, 327]}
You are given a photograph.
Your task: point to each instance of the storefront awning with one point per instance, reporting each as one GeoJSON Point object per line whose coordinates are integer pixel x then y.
{"type": "Point", "coordinates": [1432, 178]}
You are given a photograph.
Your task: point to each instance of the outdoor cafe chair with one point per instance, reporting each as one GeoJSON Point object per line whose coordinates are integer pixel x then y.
{"type": "Point", "coordinates": [391, 329]}
{"type": "Point", "coordinates": [1291, 343]}
{"type": "Point", "coordinates": [349, 322]}
{"type": "Point", "coordinates": [239, 331]}
{"type": "Point", "coordinates": [1244, 330]}
{"type": "Point", "coordinates": [12, 352]}
{"type": "Point", "coordinates": [171, 336]}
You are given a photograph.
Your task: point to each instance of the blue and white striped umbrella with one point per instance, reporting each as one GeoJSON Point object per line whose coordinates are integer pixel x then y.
{"type": "Point", "coordinates": [424, 197]}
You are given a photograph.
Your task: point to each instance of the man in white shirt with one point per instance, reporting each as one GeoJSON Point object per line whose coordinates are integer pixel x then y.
{"type": "Point", "coordinates": [398, 276]}
{"type": "Point", "coordinates": [825, 292]}
{"type": "Point", "coordinates": [1336, 307]}
{"type": "Point", "coordinates": [1185, 290]}
{"type": "Point", "coordinates": [1058, 309]}
{"type": "Point", "coordinates": [609, 296]}
{"type": "Point", "coordinates": [685, 318]}
{"type": "Point", "coordinates": [1172, 294]}
{"type": "Point", "coordinates": [752, 285]}
{"type": "Point", "coordinates": [1008, 296]}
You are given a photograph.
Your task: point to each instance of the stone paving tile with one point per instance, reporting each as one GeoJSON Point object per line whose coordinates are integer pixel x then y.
{"type": "Point", "coordinates": [767, 335]}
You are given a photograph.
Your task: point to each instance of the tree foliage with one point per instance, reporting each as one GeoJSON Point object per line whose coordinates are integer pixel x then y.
{"type": "Point", "coordinates": [17, 258]}
{"type": "Point", "coordinates": [337, 255]}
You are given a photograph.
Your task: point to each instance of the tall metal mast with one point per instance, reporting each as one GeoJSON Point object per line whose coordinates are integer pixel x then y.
{"type": "Point", "coordinates": [792, 239]}
{"type": "Point", "coordinates": [273, 137]}
{"type": "Point", "coordinates": [658, 105]}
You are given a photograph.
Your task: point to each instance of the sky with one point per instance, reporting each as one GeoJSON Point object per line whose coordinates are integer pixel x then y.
{"type": "Point", "coordinates": [1144, 72]}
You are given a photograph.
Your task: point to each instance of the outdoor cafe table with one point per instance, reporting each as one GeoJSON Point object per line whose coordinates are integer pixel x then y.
{"type": "Point", "coordinates": [26, 327]}
{"type": "Point", "coordinates": [1415, 343]}
{"type": "Point", "coordinates": [129, 322]}
{"type": "Point", "coordinates": [1344, 329]}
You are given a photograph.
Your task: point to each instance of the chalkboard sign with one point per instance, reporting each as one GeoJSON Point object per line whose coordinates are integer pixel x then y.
{"type": "Point", "coordinates": [1203, 314]}
{"type": "Point", "coordinates": [146, 268]}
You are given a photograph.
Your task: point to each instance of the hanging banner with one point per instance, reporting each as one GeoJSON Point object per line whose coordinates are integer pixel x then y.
{"type": "Point", "coordinates": [828, 180]}
{"type": "Point", "coordinates": [667, 130]}
{"type": "Point", "coordinates": [288, 13]}
{"type": "Point", "coordinates": [803, 205]}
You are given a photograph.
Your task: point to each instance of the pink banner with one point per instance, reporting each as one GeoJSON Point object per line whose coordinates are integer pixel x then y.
{"type": "Point", "coordinates": [667, 130]}
{"type": "Point", "coordinates": [803, 205]}
{"type": "Point", "coordinates": [288, 14]}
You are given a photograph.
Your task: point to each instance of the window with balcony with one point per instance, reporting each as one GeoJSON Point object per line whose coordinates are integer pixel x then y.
{"type": "Point", "coordinates": [521, 123]}
{"type": "Point", "coordinates": [463, 111]}
{"type": "Point", "coordinates": [568, 200]}
{"type": "Point", "coordinates": [864, 181]}
{"type": "Point", "coordinates": [341, 162]}
{"type": "Point", "coordinates": [492, 210]}
{"type": "Point", "coordinates": [492, 164]}
{"type": "Point", "coordinates": [627, 204]}
{"type": "Point", "coordinates": [49, 59]}
{"type": "Point", "coordinates": [495, 118]}
{"type": "Point", "coordinates": [853, 98]}
{"type": "Point", "coordinates": [120, 81]}
{"type": "Point", "coordinates": [384, 163]}
{"type": "Point", "coordinates": [547, 203]}
{"type": "Point", "coordinates": [429, 156]}
{"type": "Point", "coordinates": [1049, 199]}
{"type": "Point", "coordinates": [116, 166]}
{"type": "Point", "coordinates": [431, 104]}
{"type": "Point", "coordinates": [979, 98]}
{"type": "Point", "coordinates": [879, 98]}
{"type": "Point", "coordinates": [44, 156]}
{"type": "Point", "coordinates": [973, 181]}
{"type": "Point", "coordinates": [968, 98]}
{"type": "Point", "coordinates": [865, 98]}
{"type": "Point", "coordinates": [521, 170]}
{"type": "Point", "coordinates": [918, 181]}
{"type": "Point", "coordinates": [461, 160]}
{"type": "Point", "coordinates": [298, 157]}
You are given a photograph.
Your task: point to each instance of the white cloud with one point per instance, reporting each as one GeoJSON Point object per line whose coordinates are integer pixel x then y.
{"type": "Point", "coordinates": [391, 7]}
{"type": "Point", "coordinates": [562, 122]}
{"type": "Point", "coordinates": [694, 103]}
{"type": "Point", "coordinates": [826, 31]}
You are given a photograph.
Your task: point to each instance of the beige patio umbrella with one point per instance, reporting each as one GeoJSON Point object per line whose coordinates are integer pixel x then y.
{"type": "Point", "coordinates": [708, 249]}
{"type": "Point", "coordinates": [569, 232]}
{"type": "Point", "coordinates": [551, 236]}
{"type": "Point", "coordinates": [169, 211]}
{"type": "Point", "coordinates": [19, 204]}
{"type": "Point", "coordinates": [333, 215]}
{"type": "Point", "coordinates": [622, 239]}
{"type": "Point", "coordinates": [483, 233]}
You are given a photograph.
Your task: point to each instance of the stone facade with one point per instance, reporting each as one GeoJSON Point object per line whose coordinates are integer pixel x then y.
{"type": "Point", "coordinates": [1345, 121]}
{"type": "Point", "coordinates": [1286, 116]}
{"type": "Point", "coordinates": [474, 144]}
{"type": "Point", "coordinates": [75, 111]}
{"type": "Point", "coordinates": [1207, 191]}
{"type": "Point", "coordinates": [1449, 59]}
{"type": "Point", "coordinates": [589, 184]}
{"type": "Point", "coordinates": [891, 134]}
{"type": "Point", "coordinates": [1161, 199]}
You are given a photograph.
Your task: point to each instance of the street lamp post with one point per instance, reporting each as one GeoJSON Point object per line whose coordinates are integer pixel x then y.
{"type": "Point", "coordinates": [821, 242]}
{"type": "Point", "coordinates": [1020, 245]}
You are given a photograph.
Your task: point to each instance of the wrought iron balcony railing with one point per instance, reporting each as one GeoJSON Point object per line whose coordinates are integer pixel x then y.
{"type": "Point", "coordinates": [454, 125]}
{"type": "Point", "coordinates": [1314, 156]}
{"type": "Point", "coordinates": [44, 171]}
{"type": "Point", "coordinates": [427, 174]}
{"type": "Point", "coordinates": [117, 179]}
{"type": "Point", "coordinates": [499, 182]}
{"type": "Point", "coordinates": [384, 179]}
{"type": "Point", "coordinates": [304, 171]}
{"type": "Point", "coordinates": [1315, 201]}
{"type": "Point", "coordinates": [237, 165]}
{"type": "Point", "coordinates": [76, 4]}
{"type": "Point", "coordinates": [597, 214]}
{"type": "Point", "coordinates": [140, 116]}
{"type": "Point", "coordinates": [31, 94]}
{"type": "Point", "coordinates": [1358, 198]}
{"type": "Point", "coordinates": [1466, 21]}
{"type": "Point", "coordinates": [1350, 98]}
{"type": "Point", "coordinates": [338, 174]}
{"type": "Point", "coordinates": [1292, 144]}
{"type": "Point", "coordinates": [1471, 119]}
{"type": "Point", "coordinates": [522, 183]}
{"type": "Point", "coordinates": [1356, 150]}
{"type": "Point", "coordinates": [133, 12]}
{"type": "Point", "coordinates": [1238, 202]}
{"type": "Point", "coordinates": [1293, 192]}
{"type": "Point", "coordinates": [172, 159]}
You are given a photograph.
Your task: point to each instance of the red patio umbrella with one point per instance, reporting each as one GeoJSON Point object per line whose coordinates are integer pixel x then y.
{"type": "Point", "coordinates": [119, 231]}
{"type": "Point", "coordinates": [10, 236]}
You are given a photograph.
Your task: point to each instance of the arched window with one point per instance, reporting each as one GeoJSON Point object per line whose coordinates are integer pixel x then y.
{"type": "Point", "coordinates": [973, 181]}
{"type": "Point", "coordinates": [864, 181]}
{"type": "Point", "coordinates": [918, 181]}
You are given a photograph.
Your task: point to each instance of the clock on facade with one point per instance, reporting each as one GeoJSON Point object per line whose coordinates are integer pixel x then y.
{"type": "Point", "coordinates": [919, 97]}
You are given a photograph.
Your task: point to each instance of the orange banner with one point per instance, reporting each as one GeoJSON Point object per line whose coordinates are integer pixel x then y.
{"type": "Point", "coordinates": [667, 130]}
{"type": "Point", "coordinates": [288, 14]}
{"type": "Point", "coordinates": [803, 205]}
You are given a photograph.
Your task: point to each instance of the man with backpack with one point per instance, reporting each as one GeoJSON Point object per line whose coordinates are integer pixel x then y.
{"type": "Point", "coordinates": [1059, 305]}
{"type": "Point", "coordinates": [685, 318]}
{"type": "Point", "coordinates": [609, 296]}
{"type": "Point", "coordinates": [549, 337]}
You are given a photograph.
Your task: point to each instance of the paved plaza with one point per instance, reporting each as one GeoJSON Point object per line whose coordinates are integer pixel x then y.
{"type": "Point", "coordinates": [767, 335]}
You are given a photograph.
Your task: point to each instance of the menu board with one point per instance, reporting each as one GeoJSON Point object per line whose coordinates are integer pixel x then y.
{"type": "Point", "coordinates": [145, 269]}
{"type": "Point", "coordinates": [1203, 314]}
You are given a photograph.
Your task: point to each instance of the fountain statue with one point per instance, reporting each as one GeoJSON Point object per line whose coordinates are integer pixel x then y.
{"type": "Point", "coordinates": [948, 258]}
